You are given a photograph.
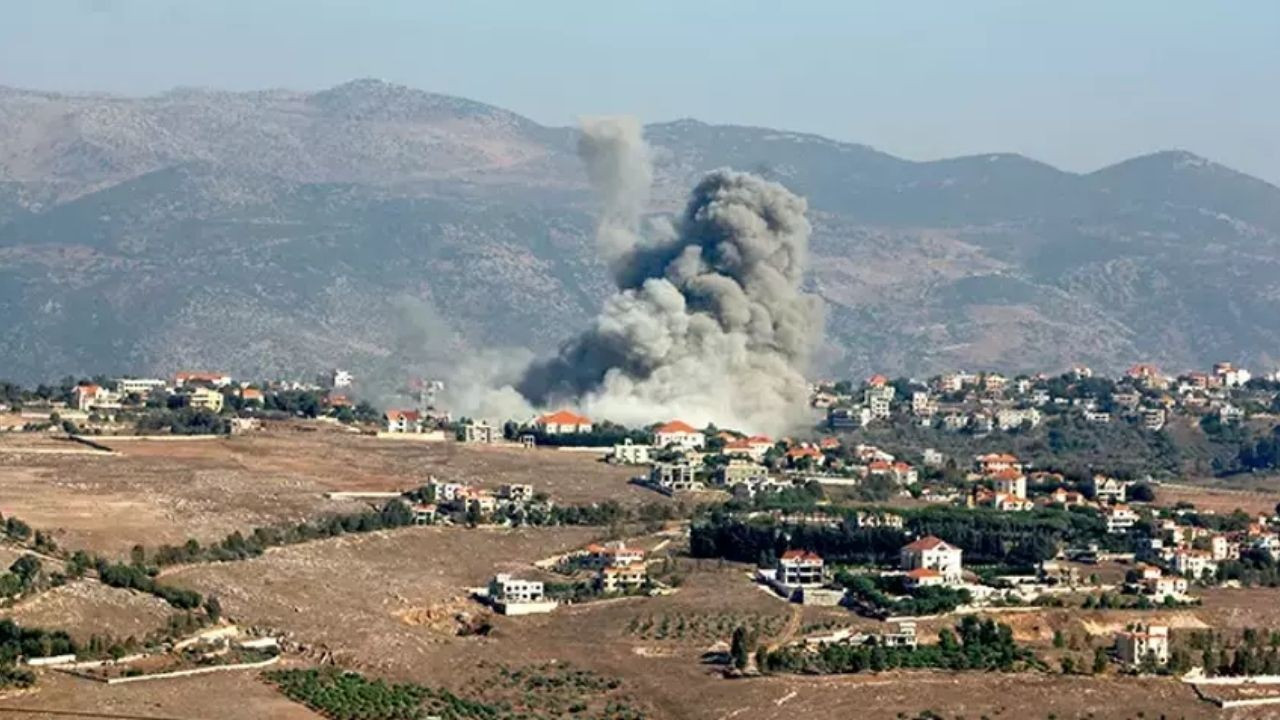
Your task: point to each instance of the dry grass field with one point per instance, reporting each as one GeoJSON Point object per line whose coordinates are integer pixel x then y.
{"type": "Point", "coordinates": [391, 604]}
{"type": "Point", "coordinates": [86, 607]}
{"type": "Point", "coordinates": [219, 696]}
{"type": "Point", "coordinates": [156, 492]}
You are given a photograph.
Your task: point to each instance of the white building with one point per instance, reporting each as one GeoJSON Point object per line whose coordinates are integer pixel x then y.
{"type": "Point", "coordinates": [1139, 645]}
{"type": "Point", "coordinates": [141, 387]}
{"type": "Point", "coordinates": [933, 458]}
{"type": "Point", "coordinates": [563, 422]}
{"type": "Point", "coordinates": [342, 378]}
{"type": "Point", "coordinates": [512, 589]}
{"type": "Point", "coordinates": [1011, 482]}
{"type": "Point", "coordinates": [800, 568]}
{"type": "Point", "coordinates": [674, 477]}
{"type": "Point", "coordinates": [1011, 419]}
{"type": "Point", "coordinates": [1109, 489]}
{"type": "Point", "coordinates": [921, 404]}
{"type": "Point", "coordinates": [1194, 564]}
{"type": "Point", "coordinates": [680, 435]}
{"type": "Point", "coordinates": [1120, 518]}
{"type": "Point", "coordinates": [1153, 418]}
{"type": "Point", "coordinates": [403, 421]}
{"type": "Point", "coordinates": [933, 553]}
{"type": "Point", "coordinates": [630, 453]}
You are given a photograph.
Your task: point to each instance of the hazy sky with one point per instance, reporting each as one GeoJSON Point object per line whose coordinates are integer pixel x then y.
{"type": "Point", "coordinates": [1079, 86]}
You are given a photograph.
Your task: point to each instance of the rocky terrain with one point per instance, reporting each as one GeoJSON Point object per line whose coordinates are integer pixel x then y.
{"type": "Point", "coordinates": [389, 230]}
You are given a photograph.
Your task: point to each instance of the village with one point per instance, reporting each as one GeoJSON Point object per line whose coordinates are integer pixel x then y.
{"type": "Point", "coordinates": [907, 509]}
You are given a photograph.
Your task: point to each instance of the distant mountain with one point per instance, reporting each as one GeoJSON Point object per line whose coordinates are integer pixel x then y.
{"type": "Point", "coordinates": [384, 228]}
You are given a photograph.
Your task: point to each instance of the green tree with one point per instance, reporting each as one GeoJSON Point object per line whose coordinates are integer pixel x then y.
{"type": "Point", "coordinates": [740, 647]}
{"type": "Point", "coordinates": [1099, 661]}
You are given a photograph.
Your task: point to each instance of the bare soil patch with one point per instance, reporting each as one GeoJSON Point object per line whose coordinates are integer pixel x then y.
{"type": "Point", "coordinates": [229, 695]}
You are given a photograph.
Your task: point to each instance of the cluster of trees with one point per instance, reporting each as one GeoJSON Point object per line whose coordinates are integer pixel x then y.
{"type": "Point", "coordinates": [873, 592]}
{"type": "Point", "coordinates": [394, 514]}
{"type": "Point", "coordinates": [349, 696]}
{"type": "Point", "coordinates": [23, 575]}
{"type": "Point", "coordinates": [722, 535]}
{"type": "Point", "coordinates": [18, 642]}
{"type": "Point", "coordinates": [991, 537]}
{"type": "Point", "coordinates": [1262, 455]}
{"type": "Point", "coordinates": [1252, 652]}
{"type": "Point", "coordinates": [973, 645]}
{"type": "Point", "coordinates": [1255, 567]}
{"type": "Point", "coordinates": [137, 578]}
{"type": "Point", "coordinates": [603, 434]}
{"type": "Point", "coordinates": [986, 536]}
{"type": "Point", "coordinates": [183, 421]}
{"type": "Point", "coordinates": [237, 546]}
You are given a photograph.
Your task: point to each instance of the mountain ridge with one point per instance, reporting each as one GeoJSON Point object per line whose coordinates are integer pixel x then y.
{"type": "Point", "coordinates": [271, 232]}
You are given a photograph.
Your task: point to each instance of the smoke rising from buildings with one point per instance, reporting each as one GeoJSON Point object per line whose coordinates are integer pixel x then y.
{"type": "Point", "coordinates": [709, 322]}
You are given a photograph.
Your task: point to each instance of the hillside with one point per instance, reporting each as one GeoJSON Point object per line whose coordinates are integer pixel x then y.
{"type": "Point", "coordinates": [387, 229]}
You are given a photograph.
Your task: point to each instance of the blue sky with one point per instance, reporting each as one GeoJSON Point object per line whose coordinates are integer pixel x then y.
{"type": "Point", "coordinates": [1079, 84]}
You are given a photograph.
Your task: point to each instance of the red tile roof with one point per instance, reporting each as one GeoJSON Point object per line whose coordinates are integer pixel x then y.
{"type": "Point", "coordinates": [676, 426]}
{"type": "Point", "coordinates": [921, 573]}
{"type": "Point", "coordinates": [928, 542]}
{"type": "Point", "coordinates": [564, 417]}
{"type": "Point", "coordinates": [801, 555]}
{"type": "Point", "coordinates": [410, 415]}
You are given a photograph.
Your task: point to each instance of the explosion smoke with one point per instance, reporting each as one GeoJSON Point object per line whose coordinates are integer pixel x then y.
{"type": "Point", "coordinates": [709, 323]}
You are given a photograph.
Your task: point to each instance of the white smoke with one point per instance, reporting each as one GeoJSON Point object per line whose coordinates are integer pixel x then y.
{"type": "Point", "coordinates": [709, 323]}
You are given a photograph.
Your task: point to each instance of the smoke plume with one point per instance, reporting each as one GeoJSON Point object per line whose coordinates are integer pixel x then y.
{"type": "Point", "coordinates": [709, 323]}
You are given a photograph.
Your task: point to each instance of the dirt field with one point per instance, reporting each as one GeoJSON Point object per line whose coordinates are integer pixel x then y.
{"type": "Point", "coordinates": [1219, 500]}
{"type": "Point", "coordinates": [391, 604]}
{"type": "Point", "coordinates": [165, 492]}
{"type": "Point", "coordinates": [217, 696]}
{"type": "Point", "coordinates": [86, 607]}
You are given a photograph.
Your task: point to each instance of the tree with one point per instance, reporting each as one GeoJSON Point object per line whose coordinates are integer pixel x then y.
{"type": "Point", "coordinates": [740, 647]}
{"type": "Point", "coordinates": [1142, 492]}
{"type": "Point", "coordinates": [1099, 661]}
{"type": "Point", "coordinates": [27, 568]}
{"type": "Point", "coordinates": [213, 608]}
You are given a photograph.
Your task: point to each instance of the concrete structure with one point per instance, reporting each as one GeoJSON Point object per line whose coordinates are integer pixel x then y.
{"type": "Point", "coordinates": [740, 470]}
{"type": "Point", "coordinates": [599, 555]}
{"type": "Point", "coordinates": [674, 477]}
{"type": "Point", "coordinates": [630, 453]}
{"type": "Point", "coordinates": [619, 578]}
{"type": "Point", "coordinates": [516, 492]}
{"type": "Point", "coordinates": [1139, 645]}
{"type": "Point", "coordinates": [141, 387]}
{"type": "Point", "coordinates": [1120, 518]}
{"type": "Point", "coordinates": [512, 596]}
{"type": "Point", "coordinates": [206, 399]}
{"type": "Point", "coordinates": [480, 433]}
{"type": "Point", "coordinates": [801, 568]}
{"type": "Point", "coordinates": [1194, 564]}
{"type": "Point", "coordinates": [1109, 489]}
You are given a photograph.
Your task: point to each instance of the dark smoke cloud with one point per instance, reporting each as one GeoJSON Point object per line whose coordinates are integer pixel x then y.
{"type": "Point", "coordinates": [709, 323]}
